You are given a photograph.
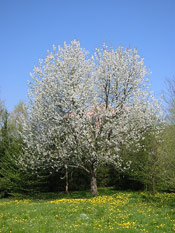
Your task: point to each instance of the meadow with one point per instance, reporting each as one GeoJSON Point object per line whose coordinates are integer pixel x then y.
{"type": "Point", "coordinates": [109, 211]}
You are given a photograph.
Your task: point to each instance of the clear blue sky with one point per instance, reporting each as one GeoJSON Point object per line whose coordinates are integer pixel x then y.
{"type": "Point", "coordinates": [29, 27]}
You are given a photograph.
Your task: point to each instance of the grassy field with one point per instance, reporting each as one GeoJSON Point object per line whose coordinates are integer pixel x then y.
{"type": "Point", "coordinates": [110, 211]}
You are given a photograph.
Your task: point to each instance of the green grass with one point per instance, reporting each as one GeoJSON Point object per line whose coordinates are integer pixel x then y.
{"type": "Point", "coordinates": [110, 211]}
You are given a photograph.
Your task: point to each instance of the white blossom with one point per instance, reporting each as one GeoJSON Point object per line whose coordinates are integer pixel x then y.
{"type": "Point", "coordinates": [82, 110]}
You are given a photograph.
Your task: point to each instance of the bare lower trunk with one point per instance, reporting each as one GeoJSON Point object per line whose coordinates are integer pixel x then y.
{"type": "Point", "coordinates": [67, 178]}
{"type": "Point", "coordinates": [146, 187]}
{"type": "Point", "coordinates": [153, 185]}
{"type": "Point", "coordinates": [93, 182]}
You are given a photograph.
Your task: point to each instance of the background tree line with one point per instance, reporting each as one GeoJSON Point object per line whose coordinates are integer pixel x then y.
{"type": "Point", "coordinates": [148, 171]}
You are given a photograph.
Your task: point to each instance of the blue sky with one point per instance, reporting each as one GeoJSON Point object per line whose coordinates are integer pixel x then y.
{"type": "Point", "coordinates": [30, 27]}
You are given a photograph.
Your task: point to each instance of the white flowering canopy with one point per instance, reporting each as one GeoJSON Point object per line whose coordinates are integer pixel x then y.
{"type": "Point", "coordinates": [82, 109]}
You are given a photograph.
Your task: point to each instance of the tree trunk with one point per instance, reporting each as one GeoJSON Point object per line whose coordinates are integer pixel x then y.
{"type": "Point", "coordinates": [67, 178]}
{"type": "Point", "coordinates": [146, 188]}
{"type": "Point", "coordinates": [153, 185]}
{"type": "Point", "coordinates": [93, 182]}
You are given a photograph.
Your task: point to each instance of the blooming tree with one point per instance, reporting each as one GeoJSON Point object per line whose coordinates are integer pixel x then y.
{"type": "Point", "coordinates": [82, 110]}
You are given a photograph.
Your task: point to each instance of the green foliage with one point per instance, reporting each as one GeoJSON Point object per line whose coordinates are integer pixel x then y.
{"type": "Point", "coordinates": [152, 166]}
{"type": "Point", "coordinates": [12, 179]}
{"type": "Point", "coordinates": [146, 164]}
{"type": "Point", "coordinates": [104, 175]}
{"type": "Point", "coordinates": [168, 145]}
{"type": "Point", "coordinates": [78, 180]}
{"type": "Point", "coordinates": [168, 157]}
